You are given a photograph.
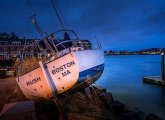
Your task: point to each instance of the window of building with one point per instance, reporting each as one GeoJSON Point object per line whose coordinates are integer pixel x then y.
{"type": "Point", "coordinates": [16, 43]}
{"type": "Point", "coordinates": [41, 55]}
{"type": "Point", "coordinates": [3, 43]}
{"type": "Point", "coordinates": [3, 57]}
{"type": "Point", "coordinates": [5, 49]}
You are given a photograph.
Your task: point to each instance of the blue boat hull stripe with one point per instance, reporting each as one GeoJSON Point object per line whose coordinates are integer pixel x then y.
{"type": "Point", "coordinates": [89, 73]}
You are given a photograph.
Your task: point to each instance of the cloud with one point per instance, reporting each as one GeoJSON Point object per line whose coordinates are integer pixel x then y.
{"type": "Point", "coordinates": [126, 22]}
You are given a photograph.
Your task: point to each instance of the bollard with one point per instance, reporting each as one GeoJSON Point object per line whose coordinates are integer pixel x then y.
{"type": "Point", "coordinates": [162, 66]}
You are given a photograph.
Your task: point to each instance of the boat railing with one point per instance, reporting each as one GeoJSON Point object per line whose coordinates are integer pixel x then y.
{"type": "Point", "coordinates": [65, 45]}
{"type": "Point", "coordinates": [53, 48]}
{"type": "Point", "coordinates": [55, 34]}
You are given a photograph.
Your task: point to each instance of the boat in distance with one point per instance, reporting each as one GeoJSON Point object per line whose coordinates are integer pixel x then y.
{"type": "Point", "coordinates": [73, 64]}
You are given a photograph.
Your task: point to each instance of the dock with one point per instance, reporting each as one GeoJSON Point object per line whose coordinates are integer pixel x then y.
{"type": "Point", "coordinates": [157, 80]}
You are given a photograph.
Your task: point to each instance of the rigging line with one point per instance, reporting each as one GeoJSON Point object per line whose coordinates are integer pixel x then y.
{"type": "Point", "coordinates": [30, 7]}
{"type": "Point", "coordinates": [41, 34]}
{"type": "Point", "coordinates": [62, 17]}
{"type": "Point", "coordinates": [38, 28]}
{"type": "Point", "coordinates": [59, 17]}
{"type": "Point", "coordinates": [26, 46]}
{"type": "Point", "coordinates": [31, 10]}
{"type": "Point", "coordinates": [23, 49]}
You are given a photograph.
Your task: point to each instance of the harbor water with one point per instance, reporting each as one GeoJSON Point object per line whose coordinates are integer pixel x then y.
{"type": "Point", "coordinates": [123, 76]}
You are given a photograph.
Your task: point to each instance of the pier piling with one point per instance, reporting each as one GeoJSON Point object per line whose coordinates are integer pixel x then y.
{"type": "Point", "coordinates": [162, 66]}
{"type": "Point", "coordinates": [157, 80]}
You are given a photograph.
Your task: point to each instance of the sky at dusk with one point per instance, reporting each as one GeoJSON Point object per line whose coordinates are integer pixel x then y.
{"type": "Point", "coordinates": [117, 24]}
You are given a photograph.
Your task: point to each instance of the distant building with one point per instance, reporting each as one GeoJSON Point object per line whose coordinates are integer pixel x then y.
{"type": "Point", "coordinates": [150, 51]}
{"type": "Point", "coordinates": [10, 48]}
{"type": "Point", "coordinates": [25, 48]}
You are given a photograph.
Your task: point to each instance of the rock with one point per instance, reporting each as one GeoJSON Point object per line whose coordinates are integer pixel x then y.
{"type": "Point", "coordinates": [80, 108]}
{"type": "Point", "coordinates": [117, 106]}
{"type": "Point", "coordinates": [94, 104]}
{"type": "Point", "coordinates": [129, 115]}
{"type": "Point", "coordinates": [106, 99]}
{"type": "Point", "coordinates": [152, 117]}
{"type": "Point", "coordinates": [46, 110]}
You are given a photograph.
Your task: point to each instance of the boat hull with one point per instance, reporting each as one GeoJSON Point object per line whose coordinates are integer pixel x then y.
{"type": "Point", "coordinates": [91, 67]}
{"type": "Point", "coordinates": [34, 85]}
{"type": "Point", "coordinates": [73, 71]}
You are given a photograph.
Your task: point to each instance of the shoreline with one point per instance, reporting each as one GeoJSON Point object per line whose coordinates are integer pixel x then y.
{"type": "Point", "coordinates": [92, 103]}
{"type": "Point", "coordinates": [128, 54]}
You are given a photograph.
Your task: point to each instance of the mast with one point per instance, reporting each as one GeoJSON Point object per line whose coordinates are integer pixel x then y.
{"type": "Point", "coordinates": [42, 34]}
{"type": "Point", "coordinates": [37, 27]}
{"type": "Point", "coordinates": [54, 4]}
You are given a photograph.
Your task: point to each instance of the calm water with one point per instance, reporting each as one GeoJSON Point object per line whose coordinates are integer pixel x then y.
{"type": "Point", "coordinates": [123, 76]}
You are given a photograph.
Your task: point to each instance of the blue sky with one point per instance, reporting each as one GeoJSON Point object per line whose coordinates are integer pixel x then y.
{"type": "Point", "coordinates": [117, 24]}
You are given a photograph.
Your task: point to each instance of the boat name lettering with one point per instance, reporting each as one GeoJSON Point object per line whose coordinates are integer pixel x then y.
{"type": "Point", "coordinates": [35, 80]}
{"type": "Point", "coordinates": [66, 73]}
{"type": "Point", "coordinates": [62, 68]}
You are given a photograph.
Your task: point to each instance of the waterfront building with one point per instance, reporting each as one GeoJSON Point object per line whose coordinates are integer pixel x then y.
{"type": "Point", "coordinates": [10, 48]}
{"type": "Point", "coordinates": [25, 48]}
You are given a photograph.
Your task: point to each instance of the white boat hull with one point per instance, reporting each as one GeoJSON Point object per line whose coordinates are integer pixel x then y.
{"type": "Point", "coordinates": [62, 74]}
{"type": "Point", "coordinates": [34, 84]}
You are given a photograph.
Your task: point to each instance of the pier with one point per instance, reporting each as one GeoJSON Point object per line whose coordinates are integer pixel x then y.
{"type": "Point", "coordinates": [157, 80]}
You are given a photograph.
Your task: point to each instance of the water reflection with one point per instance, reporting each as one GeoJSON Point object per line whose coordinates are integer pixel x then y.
{"type": "Point", "coordinates": [162, 99]}
{"type": "Point", "coordinates": [123, 76]}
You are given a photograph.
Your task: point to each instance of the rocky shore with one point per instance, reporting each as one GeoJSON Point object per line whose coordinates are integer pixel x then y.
{"type": "Point", "coordinates": [92, 103]}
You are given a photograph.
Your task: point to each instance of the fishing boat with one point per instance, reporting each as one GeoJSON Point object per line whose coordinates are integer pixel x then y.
{"type": "Point", "coordinates": [73, 64]}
